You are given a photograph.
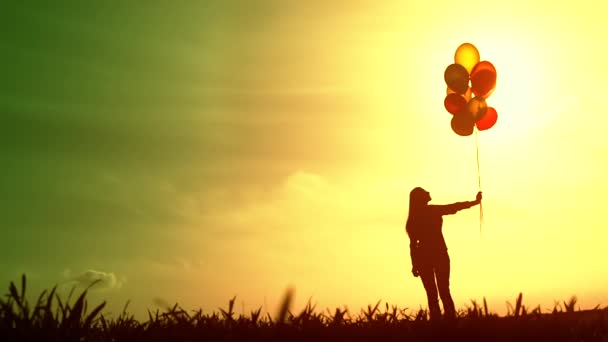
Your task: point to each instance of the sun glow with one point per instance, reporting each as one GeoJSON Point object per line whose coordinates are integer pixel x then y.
{"type": "Point", "coordinates": [411, 141]}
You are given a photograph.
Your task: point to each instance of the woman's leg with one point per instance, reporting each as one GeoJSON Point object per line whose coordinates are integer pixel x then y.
{"type": "Point", "coordinates": [442, 270]}
{"type": "Point", "coordinates": [427, 274]}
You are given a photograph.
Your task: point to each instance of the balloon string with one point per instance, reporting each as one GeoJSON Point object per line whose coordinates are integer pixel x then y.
{"type": "Point", "coordinates": [478, 180]}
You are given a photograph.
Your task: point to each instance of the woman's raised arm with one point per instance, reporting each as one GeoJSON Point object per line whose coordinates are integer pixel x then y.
{"type": "Point", "coordinates": [449, 209]}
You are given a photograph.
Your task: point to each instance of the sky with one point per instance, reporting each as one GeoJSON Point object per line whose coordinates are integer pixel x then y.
{"type": "Point", "coordinates": [195, 151]}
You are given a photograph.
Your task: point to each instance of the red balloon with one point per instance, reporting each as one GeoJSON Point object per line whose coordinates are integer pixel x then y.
{"type": "Point", "coordinates": [483, 65]}
{"type": "Point", "coordinates": [455, 103]}
{"type": "Point", "coordinates": [483, 79]}
{"type": "Point", "coordinates": [457, 78]}
{"type": "Point", "coordinates": [462, 124]}
{"type": "Point", "coordinates": [488, 120]}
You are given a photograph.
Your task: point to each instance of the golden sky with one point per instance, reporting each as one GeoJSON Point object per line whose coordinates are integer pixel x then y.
{"type": "Point", "coordinates": [380, 69]}
{"type": "Point", "coordinates": [287, 135]}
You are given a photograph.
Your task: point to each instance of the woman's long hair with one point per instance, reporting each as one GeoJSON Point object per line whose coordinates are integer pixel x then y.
{"type": "Point", "coordinates": [417, 203]}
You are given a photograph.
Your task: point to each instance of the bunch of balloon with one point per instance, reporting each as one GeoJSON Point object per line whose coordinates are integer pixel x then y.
{"type": "Point", "coordinates": [470, 82]}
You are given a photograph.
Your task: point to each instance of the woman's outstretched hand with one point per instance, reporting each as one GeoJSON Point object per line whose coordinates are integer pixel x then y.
{"type": "Point", "coordinates": [478, 198]}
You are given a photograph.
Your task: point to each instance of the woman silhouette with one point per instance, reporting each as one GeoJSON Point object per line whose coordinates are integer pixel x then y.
{"type": "Point", "coordinates": [430, 259]}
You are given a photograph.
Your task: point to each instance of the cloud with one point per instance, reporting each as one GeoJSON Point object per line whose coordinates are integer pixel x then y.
{"type": "Point", "coordinates": [101, 280]}
{"type": "Point", "coordinates": [306, 183]}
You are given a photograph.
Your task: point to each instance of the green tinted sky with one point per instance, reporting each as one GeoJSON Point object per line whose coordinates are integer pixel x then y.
{"type": "Point", "coordinates": [123, 117]}
{"type": "Point", "coordinates": [111, 111]}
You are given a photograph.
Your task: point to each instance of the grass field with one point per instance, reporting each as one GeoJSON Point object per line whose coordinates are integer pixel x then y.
{"type": "Point", "coordinates": [54, 319]}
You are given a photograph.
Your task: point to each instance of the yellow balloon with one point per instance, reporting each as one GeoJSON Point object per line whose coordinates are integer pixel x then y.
{"type": "Point", "coordinates": [467, 56]}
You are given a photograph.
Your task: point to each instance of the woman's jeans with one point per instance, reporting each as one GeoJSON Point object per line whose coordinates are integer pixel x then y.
{"type": "Point", "coordinates": [435, 274]}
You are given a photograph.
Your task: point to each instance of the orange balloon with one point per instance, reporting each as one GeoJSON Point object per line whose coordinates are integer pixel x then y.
{"type": "Point", "coordinates": [488, 120]}
{"type": "Point", "coordinates": [457, 78]}
{"type": "Point", "coordinates": [483, 79]}
{"type": "Point", "coordinates": [477, 108]}
{"type": "Point", "coordinates": [467, 56]}
{"type": "Point", "coordinates": [455, 103]}
{"type": "Point", "coordinates": [462, 124]}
